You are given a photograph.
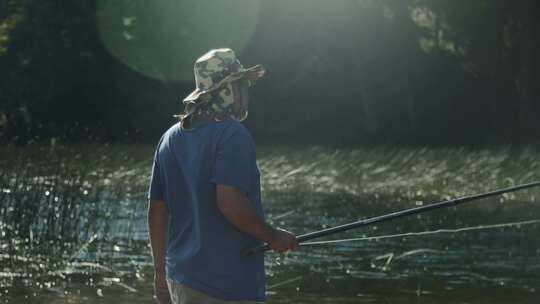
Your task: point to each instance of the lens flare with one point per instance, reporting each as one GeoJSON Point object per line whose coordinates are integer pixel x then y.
{"type": "Point", "coordinates": [161, 39]}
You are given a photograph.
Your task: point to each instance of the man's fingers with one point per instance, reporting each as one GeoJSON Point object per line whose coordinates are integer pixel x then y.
{"type": "Point", "coordinates": [163, 297]}
{"type": "Point", "coordinates": [161, 291]}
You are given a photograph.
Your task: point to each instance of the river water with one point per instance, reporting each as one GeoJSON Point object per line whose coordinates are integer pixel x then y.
{"type": "Point", "coordinates": [73, 228]}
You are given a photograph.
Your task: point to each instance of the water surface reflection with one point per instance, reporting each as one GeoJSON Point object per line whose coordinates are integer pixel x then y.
{"type": "Point", "coordinates": [73, 227]}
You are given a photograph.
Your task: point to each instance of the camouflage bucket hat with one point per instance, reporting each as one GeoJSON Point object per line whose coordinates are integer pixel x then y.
{"type": "Point", "coordinates": [217, 68]}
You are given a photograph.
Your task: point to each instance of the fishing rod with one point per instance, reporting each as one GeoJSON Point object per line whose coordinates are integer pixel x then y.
{"type": "Point", "coordinates": [394, 215]}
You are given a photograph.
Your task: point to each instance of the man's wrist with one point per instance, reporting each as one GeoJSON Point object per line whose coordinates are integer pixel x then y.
{"type": "Point", "coordinates": [159, 271]}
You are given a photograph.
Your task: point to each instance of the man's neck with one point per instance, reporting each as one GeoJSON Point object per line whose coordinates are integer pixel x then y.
{"type": "Point", "coordinates": [199, 120]}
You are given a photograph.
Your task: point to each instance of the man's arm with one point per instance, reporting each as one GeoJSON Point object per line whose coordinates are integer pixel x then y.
{"type": "Point", "coordinates": [236, 207]}
{"type": "Point", "coordinates": [158, 221]}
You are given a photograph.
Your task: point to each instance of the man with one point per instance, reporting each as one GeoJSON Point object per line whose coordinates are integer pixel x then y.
{"type": "Point", "coordinates": [205, 204]}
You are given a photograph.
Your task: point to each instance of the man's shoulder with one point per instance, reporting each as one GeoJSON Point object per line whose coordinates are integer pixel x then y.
{"type": "Point", "coordinates": [173, 129]}
{"type": "Point", "coordinates": [234, 129]}
{"type": "Point", "coordinates": [221, 131]}
{"type": "Point", "coordinates": [165, 137]}
{"type": "Point", "coordinates": [234, 126]}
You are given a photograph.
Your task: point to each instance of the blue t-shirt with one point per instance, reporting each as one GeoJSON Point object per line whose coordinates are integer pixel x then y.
{"type": "Point", "coordinates": [203, 248]}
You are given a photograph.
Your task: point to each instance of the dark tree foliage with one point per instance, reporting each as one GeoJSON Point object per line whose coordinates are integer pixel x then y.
{"type": "Point", "coordinates": [358, 72]}
{"type": "Point", "coordinates": [59, 81]}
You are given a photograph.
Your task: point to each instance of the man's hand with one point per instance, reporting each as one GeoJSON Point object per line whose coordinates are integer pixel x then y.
{"type": "Point", "coordinates": [282, 241]}
{"type": "Point", "coordinates": [160, 289]}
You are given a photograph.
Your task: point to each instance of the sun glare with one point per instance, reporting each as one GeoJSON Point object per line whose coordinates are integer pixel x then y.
{"type": "Point", "coordinates": [161, 39]}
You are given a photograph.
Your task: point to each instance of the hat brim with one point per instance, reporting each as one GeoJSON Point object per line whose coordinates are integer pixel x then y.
{"type": "Point", "coordinates": [253, 73]}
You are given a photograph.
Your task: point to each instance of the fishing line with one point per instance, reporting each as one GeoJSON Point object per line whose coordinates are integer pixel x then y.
{"type": "Point", "coordinates": [285, 282]}
{"type": "Point", "coordinates": [283, 215]}
{"type": "Point", "coordinates": [464, 229]}
{"type": "Point", "coordinates": [395, 215]}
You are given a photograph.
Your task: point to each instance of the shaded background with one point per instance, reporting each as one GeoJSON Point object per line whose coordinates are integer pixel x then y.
{"type": "Point", "coordinates": [339, 72]}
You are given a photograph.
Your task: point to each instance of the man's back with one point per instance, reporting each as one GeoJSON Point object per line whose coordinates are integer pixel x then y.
{"type": "Point", "coordinates": [205, 201]}
{"type": "Point", "coordinates": [203, 248]}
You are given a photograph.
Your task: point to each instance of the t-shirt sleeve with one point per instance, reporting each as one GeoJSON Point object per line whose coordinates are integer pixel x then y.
{"type": "Point", "coordinates": [234, 163]}
{"type": "Point", "coordinates": [156, 188]}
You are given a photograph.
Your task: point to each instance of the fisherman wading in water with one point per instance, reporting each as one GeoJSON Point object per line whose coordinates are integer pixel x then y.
{"type": "Point", "coordinates": [205, 200]}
